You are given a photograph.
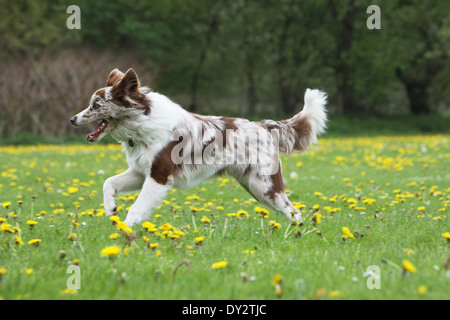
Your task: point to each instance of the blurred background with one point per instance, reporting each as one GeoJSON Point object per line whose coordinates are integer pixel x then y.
{"type": "Point", "coordinates": [243, 58]}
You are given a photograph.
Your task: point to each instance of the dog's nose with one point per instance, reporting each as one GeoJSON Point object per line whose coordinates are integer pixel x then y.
{"type": "Point", "coordinates": [73, 120]}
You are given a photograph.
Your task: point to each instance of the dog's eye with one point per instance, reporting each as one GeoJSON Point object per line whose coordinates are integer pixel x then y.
{"type": "Point", "coordinates": [95, 106]}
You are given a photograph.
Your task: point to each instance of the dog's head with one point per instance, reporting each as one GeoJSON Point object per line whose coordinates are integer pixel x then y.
{"type": "Point", "coordinates": [121, 99]}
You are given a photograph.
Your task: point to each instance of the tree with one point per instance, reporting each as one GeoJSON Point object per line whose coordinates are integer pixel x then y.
{"type": "Point", "coordinates": [423, 35]}
{"type": "Point", "coordinates": [343, 30]}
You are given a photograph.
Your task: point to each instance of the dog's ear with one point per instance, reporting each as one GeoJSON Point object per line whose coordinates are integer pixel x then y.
{"type": "Point", "coordinates": [128, 85]}
{"type": "Point", "coordinates": [114, 77]}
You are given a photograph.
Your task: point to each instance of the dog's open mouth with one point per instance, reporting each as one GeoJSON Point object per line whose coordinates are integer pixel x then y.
{"type": "Point", "coordinates": [93, 136]}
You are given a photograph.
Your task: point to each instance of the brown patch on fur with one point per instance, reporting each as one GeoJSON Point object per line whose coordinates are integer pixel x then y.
{"type": "Point", "coordinates": [101, 93]}
{"type": "Point", "coordinates": [145, 104]}
{"type": "Point", "coordinates": [114, 77]}
{"type": "Point", "coordinates": [228, 125]}
{"type": "Point", "coordinates": [294, 133]}
{"type": "Point", "coordinates": [277, 184]}
{"type": "Point", "coordinates": [303, 129]}
{"type": "Point", "coordinates": [129, 86]}
{"type": "Point", "coordinates": [163, 167]}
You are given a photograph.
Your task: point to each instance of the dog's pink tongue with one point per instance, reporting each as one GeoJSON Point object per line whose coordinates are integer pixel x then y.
{"type": "Point", "coordinates": [91, 137]}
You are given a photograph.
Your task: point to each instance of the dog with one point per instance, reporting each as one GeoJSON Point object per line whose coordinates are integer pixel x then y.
{"type": "Point", "coordinates": [166, 145]}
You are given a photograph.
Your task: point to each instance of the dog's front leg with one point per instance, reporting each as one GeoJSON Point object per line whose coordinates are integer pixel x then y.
{"type": "Point", "coordinates": [126, 181]}
{"type": "Point", "coordinates": [151, 195]}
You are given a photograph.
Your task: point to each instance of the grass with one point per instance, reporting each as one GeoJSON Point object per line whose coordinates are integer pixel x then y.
{"type": "Point", "coordinates": [392, 193]}
{"type": "Point", "coordinates": [338, 126]}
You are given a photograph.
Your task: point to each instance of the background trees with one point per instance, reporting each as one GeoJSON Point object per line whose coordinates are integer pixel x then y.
{"type": "Point", "coordinates": [241, 57]}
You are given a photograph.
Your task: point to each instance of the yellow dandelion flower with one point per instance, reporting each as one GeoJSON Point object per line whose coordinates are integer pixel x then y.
{"type": "Point", "coordinates": [408, 266]}
{"type": "Point", "coordinates": [241, 213]}
{"type": "Point", "coordinates": [274, 225]}
{"type": "Point", "coordinates": [346, 233]}
{"type": "Point", "coordinates": [334, 294]}
{"type": "Point", "coordinates": [277, 279]}
{"type": "Point", "coordinates": [75, 223]}
{"type": "Point", "coordinates": [153, 245]}
{"type": "Point", "coordinates": [173, 236]}
{"type": "Point", "coordinates": [369, 201]}
{"type": "Point", "coordinates": [199, 239]}
{"type": "Point", "coordinates": [114, 236]}
{"type": "Point", "coordinates": [120, 225]}
{"type": "Point", "coordinates": [149, 226]}
{"type": "Point", "coordinates": [35, 242]}
{"type": "Point", "coordinates": [32, 223]}
{"type": "Point", "coordinates": [127, 230]}
{"type": "Point", "coordinates": [72, 237]}
{"type": "Point", "coordinates": [68, 291]}
{"type": "Point", "coordinates": [446, 235]}
{"type": "Point", "coordinates": [6, 228]}
{"type": "Point", "coordinates": [6, 204]}
{"type": "Point", "coordinates": [110, 252]}
{"type": "Point", "coordinates": [262, 212]}
{"type": "Point", "coordinates": [205, 220]}
{"type": "Point", "coordinates": [422, 290]}
{"type": "Point", "coordinates": [166, 227]}
{"type": "Point", "coordinates": [18, 241]}
{"type": "Point", "coordinates": [72, 190]}
{"type": "Point", "coordinates": [316, 217]}
{"type": "Point", "coordinates": [114, 219]}
{"type": "Point", "coordinates": [219, 265]}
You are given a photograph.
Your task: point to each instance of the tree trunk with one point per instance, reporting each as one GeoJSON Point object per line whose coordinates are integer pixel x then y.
{"type": "Point", "coordinates": [416, 90]}
{"type": "Point", "coordinates": [346, 101]}
{"type": "Point", "coordinates": [417, 79]}
{"type": "Point", "coordinates": [417, 95]}
{"type": "Point", "coordinates": [344, 71]}
{"type": "Point", "coordinates": [283, 88]}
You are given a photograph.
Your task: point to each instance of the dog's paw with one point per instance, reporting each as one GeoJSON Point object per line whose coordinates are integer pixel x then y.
{"type": "Point", "coordinates": [130, 221]}
{"type": "Point", "coordinates": [110, 208]}
{"type": "Point", "coordinates": [297, 218]}
{"type": "Point", "coordinates": [134, 217]}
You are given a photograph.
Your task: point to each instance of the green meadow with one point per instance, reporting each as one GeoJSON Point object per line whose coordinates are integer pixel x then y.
{"type": "Point", "coordinates": [376, 226]}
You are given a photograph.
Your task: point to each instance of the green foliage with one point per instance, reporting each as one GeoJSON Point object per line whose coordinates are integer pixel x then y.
{"type": "Point", "coordinates": [27, 26]}
{"type": "Point", "coordinates": [257, 57]}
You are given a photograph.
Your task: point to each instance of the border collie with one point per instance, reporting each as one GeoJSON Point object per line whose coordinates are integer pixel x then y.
{"type": "Point", "coordinates": [167, 146]}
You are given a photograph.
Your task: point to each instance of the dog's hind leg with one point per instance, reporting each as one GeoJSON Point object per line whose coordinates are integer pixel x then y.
{"type": "Point", "coordinates": [150, 197]}
{"type": "Point", "coordinates": [269, 190]}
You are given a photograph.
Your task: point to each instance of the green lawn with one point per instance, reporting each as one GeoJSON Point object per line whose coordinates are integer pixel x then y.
{"type": "Point", "coordinates": [392, 195]}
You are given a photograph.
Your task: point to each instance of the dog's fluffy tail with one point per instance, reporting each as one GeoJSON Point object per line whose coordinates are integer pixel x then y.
{"type": "Point", "coordinates": [297, 133]}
